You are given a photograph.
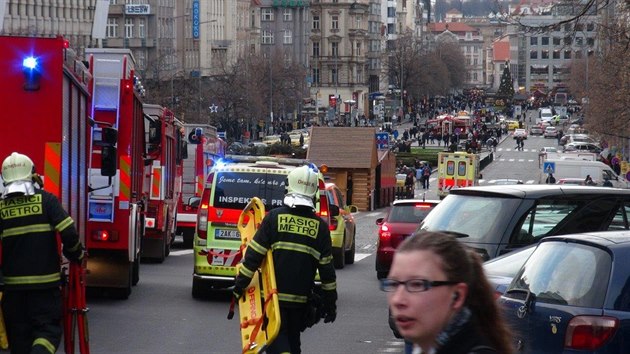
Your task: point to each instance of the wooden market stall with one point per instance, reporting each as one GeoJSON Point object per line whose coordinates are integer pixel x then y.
{"type": "Point", "coordinates": [352, 158]}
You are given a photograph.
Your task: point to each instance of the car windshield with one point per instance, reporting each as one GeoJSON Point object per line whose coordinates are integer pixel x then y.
{"type": "Point", "coordinates": [508, 264]}
{"type": "Point", "coordinates": [409, 213]}
{"type": "Point", "coordinates": [469, 215]}
{"type": "Point", "coordinates": [235, 189]}
{"type": "Point", "coordinates": [565, 273]}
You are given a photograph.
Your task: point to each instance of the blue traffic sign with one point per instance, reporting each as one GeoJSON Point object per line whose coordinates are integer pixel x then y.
{"type": "Point", "coordinates": [549, 167]}
{"type": "Point", "coordinates": [382, 141]}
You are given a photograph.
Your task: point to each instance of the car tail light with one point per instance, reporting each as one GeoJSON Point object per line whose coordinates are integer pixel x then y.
{"type": "Point", "coordinates": [589, 332]}
{"type": "Point", "coordinates": [423, 206]}
{"type": "Point", "coordinates": [202, 215]}
{"type": "Point", "coordinates": [384, 236]}
{"type": "Point", "coordinates": [333, 224]}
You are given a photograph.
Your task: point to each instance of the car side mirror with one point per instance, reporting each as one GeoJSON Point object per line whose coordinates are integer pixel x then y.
{"type": "Point", "coordinates": [334, 210]}
{"type": "Point", "coordinates": [379, 221]}
{"type": "Point", "coordinates": [194, 202]}
{"type": "Point", "coordinates": [353, 208]}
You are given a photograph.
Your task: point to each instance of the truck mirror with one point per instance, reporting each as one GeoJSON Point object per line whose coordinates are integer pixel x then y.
{"type": "Point", "coordinates": [109, 136]}
{"type": "Point", "coordinates": [194, 202]}
{"type": "Point", "coordinates": [184, 150]}
{"type": "Point", "coordinates": [108, 161]}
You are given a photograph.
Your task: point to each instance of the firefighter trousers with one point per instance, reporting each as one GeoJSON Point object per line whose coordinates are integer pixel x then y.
{"type": "Point", "coordinates": [33, 320]}
{"type": "Point", "coordinates": [288, 340]}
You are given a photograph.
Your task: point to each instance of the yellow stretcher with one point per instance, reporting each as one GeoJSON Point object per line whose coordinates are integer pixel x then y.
{"type": "Point", "coordinates": [4, 340]}
{"type": "Point", "coordinates": [258, 308]}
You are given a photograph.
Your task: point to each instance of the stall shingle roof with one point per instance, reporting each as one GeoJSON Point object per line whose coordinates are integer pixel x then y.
{"type": "Point", "coordinates": [341, 147]}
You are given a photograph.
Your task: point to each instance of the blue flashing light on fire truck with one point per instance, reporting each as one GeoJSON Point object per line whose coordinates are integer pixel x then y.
{"type": "Point", "coordinates": [203, 150]}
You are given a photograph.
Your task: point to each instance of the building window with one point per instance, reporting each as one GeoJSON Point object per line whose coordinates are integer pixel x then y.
{"type": "Point", "coordinates": [475, 77]}
{"type": "Point", "coordinates": [567, 54]}
{"type": "Point", "coordinates": [556, 54]}
{"type": "Point", "coordinates": [358, 48]}
{"type": "Point", "coordinates": [288, 36]}
{"type": "Point", "coordinates": [334, 46]}
{"type": "Point", "coordinates": [287, 15]}
{"type": "Point", "coordinates": [316, 49]}
{"type": "Point", "coordinates": [568, 40]}
{"type": "Point", "coordinates": [590, 27]}
{"type": "Point", "coordinates": [533, 54]}
{"type": "Point", "coordinates": [333, 76]}
{"type": "Point", "coordinates": [267, 37]}
{"type": "Point", "coordinates": [556, 40]}
{"type": "Point", "coordinates": [129, 28]}
{"type": "Point", "coordinates": [533, 41]}
{"type": "Point", "coordinates": [335, 22]}
{"type": "Point", "coordinates": [266, 14]}
{"type": "Point", "coordinates": [141, 28]}
{"type": "Point", "coordinates": [112, 28]}
{"type": "Point", "coordinates": [544, 54]}
{"type": "Point", "coordinates": [590, 41]}
{"type": "Point", "coordinates": [316, 22]}
{"type": "Point", "coordinates": [141, 60]}
{"type": "Point", "coordinates": [545, 40]}
{"type": "Point", "coordinates": [391, 12]}
{"type": "Point", "coordinates": [316, 78]}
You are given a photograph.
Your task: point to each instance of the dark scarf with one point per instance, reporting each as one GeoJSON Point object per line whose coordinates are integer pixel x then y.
{"type": "Point", "coordinates": [454, 326]}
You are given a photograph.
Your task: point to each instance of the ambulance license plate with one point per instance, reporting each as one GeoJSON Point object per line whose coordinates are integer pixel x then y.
{"type": "Point", "coordinates": [222, 234]}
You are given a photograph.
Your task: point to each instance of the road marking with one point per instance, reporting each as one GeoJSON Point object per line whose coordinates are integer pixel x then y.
{"type": "Point", "coordinates": [367, 247]}
{"type": "Point", "coordinates": [511, 160]}
{"type": "Point", "coordinates": [360, 256]}
{"type": "Point", "coordinates": [181, 253]}
{"type": "Point", "coordinates": [531, 181]}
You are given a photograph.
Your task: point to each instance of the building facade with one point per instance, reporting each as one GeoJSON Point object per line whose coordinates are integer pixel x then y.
{"type": "Point", "coordinates": [339, 57]}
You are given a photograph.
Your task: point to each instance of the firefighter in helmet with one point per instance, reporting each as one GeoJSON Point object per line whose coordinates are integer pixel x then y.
{"type": "Point", "coordinates": [29, 220]}
{"type": "Point", "coordinates": [301, 245]}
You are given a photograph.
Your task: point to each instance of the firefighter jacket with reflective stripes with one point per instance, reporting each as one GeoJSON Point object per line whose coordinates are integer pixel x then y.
{"type": "Point", "coordinates": [300, 243]}
{"type": "Point", "coordinates": [28, 226]}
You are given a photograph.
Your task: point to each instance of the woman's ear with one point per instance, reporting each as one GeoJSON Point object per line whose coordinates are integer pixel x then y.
{"type": "Point", "coordinates": [460, 292]}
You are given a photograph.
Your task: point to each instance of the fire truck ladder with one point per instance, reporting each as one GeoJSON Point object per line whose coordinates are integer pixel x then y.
{"type": "Point", "coordinates": [106, 97]}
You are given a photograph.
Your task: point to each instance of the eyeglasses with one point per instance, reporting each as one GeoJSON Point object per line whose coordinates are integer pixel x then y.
{"type": "Point", "coordinates": [413, 285]}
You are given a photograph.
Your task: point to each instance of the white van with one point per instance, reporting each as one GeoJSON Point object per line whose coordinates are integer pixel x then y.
{"type": "Point", "coordinates": [545, 114]}
{"type": "Point", "coordinates": [598, 171]}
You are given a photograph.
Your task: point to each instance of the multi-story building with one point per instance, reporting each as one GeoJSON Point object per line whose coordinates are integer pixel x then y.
{"type": "Point", "coordinates": [548, 55]}
{"type": "Point", "coordinates": [375, 44]}
{"type": "Point", "coordinates": [284, 29]}
{"type": "Point", "coordinates": [338, 55]}
{"type": "Point", "coordinates": [469, 40]}
{"type": "Point", "coordinates": [71, 19]}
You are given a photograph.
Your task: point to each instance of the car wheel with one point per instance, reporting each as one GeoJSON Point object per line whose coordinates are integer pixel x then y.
{"type": "Point", "coordinates": [188, 236]}
{"type": "Point", "coordinates": [351, 252]}
{"type": "Point", "coordinates": [339, 255]}
{"type": "Point", "coordinates": [198, 290]}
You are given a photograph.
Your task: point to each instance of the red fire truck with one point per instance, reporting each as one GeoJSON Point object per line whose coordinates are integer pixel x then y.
{"type": "Point", "coordinates": [116, 202]}
{"type": "Point", "coordinates": [163, 179]}
{"type": "Point", "coordinates": [45, 91]}
{"type": "Point", "coordinates": [204, 148]}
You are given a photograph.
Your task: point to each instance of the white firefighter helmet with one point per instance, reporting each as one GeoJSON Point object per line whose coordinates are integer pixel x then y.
{"type": "Point", "coordinates": [302, 185]}
{"type": "Point", "coordinates": [17, 167]}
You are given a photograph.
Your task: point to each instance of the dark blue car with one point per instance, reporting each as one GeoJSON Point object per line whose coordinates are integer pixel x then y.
{"type": "Point", "coordinates": [573, 295]}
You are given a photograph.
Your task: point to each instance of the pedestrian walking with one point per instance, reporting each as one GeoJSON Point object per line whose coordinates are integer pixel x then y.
{"type": "Point", "coordinates": [301, 246]}
{"type": "Point", "coordinates": [441, 300]}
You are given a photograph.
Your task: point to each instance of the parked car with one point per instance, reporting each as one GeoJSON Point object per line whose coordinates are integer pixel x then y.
{"type": "Point", "coordinates": [342, 227]}
{"type": "Point", "coordinates": [401, 220]}
{"type": "Point", "coordinates": [501, 270]}
{"type": "Point", "coordinates": [572, 181]}
{"type": "Point", "coordinates": [581, 146]}
{"type": "Point", "coordinates": [505, 181]}
{"type": "Point", "coordinates": [550, 132]}
{"type": "Point", "coordinates": [572, 295]}
{"type": "Point", "coordinates": [536, 130]}
{"type": "Point", "coordinates": [494, 220]}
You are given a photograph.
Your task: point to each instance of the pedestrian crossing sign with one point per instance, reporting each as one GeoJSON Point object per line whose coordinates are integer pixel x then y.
{"type": "Point", "coordinates": [549, 167]}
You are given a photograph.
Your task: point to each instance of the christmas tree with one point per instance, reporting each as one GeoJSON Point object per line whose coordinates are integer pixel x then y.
{"type": "Point", "coordinates": [506, 88]}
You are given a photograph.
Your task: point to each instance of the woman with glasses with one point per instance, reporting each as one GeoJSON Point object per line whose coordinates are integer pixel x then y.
{"type": "Point", "coordinates": [440, 299]}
